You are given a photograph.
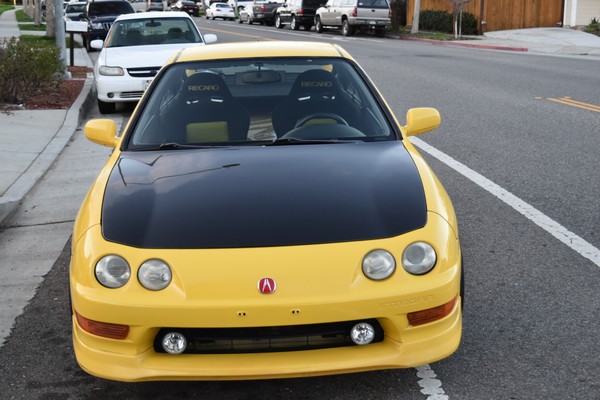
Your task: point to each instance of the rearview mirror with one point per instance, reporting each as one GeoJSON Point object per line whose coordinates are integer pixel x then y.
{"type": "Point", "coordinates": [97, 44]}
{"type": "Point", "coordinates": [421, 120]}
{"type": "Point", "coordinates": [101, 131]}
{"type": "Point", "coordinates": [210, 38]}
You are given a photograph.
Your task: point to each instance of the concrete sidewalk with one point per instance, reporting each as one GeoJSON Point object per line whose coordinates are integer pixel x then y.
{"type": "Point", "coordinates": [555, 41]}
{"type": "Point", "coordinates": [30, 140]}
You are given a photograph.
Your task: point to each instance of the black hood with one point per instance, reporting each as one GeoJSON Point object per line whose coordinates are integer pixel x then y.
{"type": "Point", "coordinates": [263, 196]}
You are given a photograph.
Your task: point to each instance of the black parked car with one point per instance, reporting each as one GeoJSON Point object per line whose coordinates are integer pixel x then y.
{"type": "Point", "coordinates": [297, 13]}
{"type": "Point", "coordinates": [100, 14]}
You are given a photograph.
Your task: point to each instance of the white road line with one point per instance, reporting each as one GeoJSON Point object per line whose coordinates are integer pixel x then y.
{"type": "Point", "coordinates": [555, 229]}
{"type": "Point", "coordinates": [431, 386]}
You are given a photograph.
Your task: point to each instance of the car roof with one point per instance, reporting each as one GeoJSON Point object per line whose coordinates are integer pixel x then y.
{"type": "Point", "coordinates": [260, 50]}
{"type": "Point", "coordinates": [154, 14]}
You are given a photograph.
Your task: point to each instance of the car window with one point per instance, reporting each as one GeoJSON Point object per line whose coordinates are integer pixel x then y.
{"type": "Point", "coordinates": [152, 31]}
{"type": "Point", "coordinates": [246, 102]}
{"type": "Point", "coordinates": [312, 3]}
{"type": "Point", "coordinates": [373, 3]}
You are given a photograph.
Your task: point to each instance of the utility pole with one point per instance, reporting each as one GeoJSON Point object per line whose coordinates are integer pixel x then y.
{"type": "Point", "coordinates": [60, 34]}
{"type": "Point", "coordinates": [416, 15]}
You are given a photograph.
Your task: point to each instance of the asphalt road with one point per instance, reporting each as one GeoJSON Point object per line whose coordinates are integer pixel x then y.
{"type": "Point", "coordinates": [516, 152]}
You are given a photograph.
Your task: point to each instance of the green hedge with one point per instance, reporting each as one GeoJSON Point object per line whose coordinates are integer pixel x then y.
{"type": "Point", "coordinates": [27, 68]}
{"type": "Point", "coordinates": [441, 21]}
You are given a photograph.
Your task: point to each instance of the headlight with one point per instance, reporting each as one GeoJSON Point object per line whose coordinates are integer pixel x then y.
{"type": "Point", "coordinates": [111, 71]}
{"type": "Point", "coordinates": [418, 258]}
{"type": "Point", "coordinates": [378, 264]}
{"type": "Point", "coordinates": [154, 274]}
{"type": "Point", "coordinates": [112, 271]}
{"type": "Point", "coordinates": [97, 25]}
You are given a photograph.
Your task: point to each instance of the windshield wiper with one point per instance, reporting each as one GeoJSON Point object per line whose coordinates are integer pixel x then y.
{"type": "Point", "coordinates": [291, 140]}
{"type": "Point", "coordinates": [178, 146]}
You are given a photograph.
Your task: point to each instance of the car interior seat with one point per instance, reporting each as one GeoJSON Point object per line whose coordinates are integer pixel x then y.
{"type": "Point", "coordinates": [210, 113]}
{"type": "Point", "coordinates": [175, 35]}
{"type": "Point", "coordinates": [314, 92]}
{"type": "Point", "coordinates": [134, 37]}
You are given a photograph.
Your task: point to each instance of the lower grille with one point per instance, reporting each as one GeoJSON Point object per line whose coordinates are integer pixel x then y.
{"type": "Point", "coordinates": [267, 339]}
{"type": "Point", "coordinates": [131, 95]}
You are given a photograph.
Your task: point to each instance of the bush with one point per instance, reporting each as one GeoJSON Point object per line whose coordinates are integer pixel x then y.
{"type": "Point", "coordinates": [26, 69]}
{"type": "Point", "coordinates": [432, 20]}
{"type": "Point", "coordinates": [593, 27]}
{"type": "Point", "coordinates": [441, 21]}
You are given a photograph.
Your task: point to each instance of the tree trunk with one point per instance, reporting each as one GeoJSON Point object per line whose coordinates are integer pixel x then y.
{"type": "Point", "coordinates": [50, 20]}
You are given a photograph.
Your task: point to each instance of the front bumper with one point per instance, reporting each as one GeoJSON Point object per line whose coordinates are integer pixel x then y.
{"type": "Point", "coordinates": [317, 284]}
{"type": "Point", "coordinates": [119, 89]}
{"type": "Point", "coordinates": [419, 345]}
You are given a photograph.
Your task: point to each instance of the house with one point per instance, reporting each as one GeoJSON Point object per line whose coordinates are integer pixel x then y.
{"type": "Point", "coordinates": [579, 13]}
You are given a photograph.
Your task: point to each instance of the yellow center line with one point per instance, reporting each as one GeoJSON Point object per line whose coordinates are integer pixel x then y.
{"type": "Point", "coordinates": [238, 34]}
{"type": "Point", "coordinates": [575, 103]}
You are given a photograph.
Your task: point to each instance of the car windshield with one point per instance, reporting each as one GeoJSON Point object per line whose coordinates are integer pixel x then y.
{"type": "Point", "coordinates": [152, 31]}
{"type": "Point", "coordinates": [259, 101]}
{"type": "Point", "coordinates": [75, 8]}
{"type": "Point", "coordinates": [110, 8]}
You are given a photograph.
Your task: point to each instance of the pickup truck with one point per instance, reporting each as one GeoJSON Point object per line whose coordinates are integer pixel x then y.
{"type": "Point", "coordinates": [350, 15]}
{"type": "Point", "coordinates": [262, 11]}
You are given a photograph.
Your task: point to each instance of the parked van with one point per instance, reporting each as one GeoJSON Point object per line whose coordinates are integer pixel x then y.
{"type": "Point", "coordinates": [349, 15]}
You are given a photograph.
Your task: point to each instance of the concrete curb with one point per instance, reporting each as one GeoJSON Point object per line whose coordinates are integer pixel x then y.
{"type": "Point", "coordinates": [13, 197]}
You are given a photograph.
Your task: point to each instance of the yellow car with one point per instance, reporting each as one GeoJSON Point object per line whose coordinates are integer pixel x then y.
{"type": "Point", "coordinates": [263, 215]}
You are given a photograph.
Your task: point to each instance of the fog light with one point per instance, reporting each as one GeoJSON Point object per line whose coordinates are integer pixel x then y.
{"type": "Point", "coordinates": [110, 95]}
{"type": "Point", "coordinates": [362, 333]}
{"type": "Point", "coordinates": [174, 343]}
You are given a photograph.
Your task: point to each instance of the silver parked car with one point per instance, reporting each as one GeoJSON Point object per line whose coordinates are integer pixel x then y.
{"type": "Point", "coordinates": [350, 15]}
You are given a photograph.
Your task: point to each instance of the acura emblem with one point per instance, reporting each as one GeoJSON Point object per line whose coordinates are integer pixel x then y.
{"type": "Point", "coordinates": [266, 285]}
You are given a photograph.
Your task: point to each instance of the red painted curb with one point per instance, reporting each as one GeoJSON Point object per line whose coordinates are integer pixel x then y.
{"type": "Point", "coordinates": [469, 45]}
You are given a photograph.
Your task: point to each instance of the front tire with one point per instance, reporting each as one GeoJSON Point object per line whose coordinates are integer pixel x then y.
{"type": "Point", "coordinates": [278, 23]}
{"type": "Point", "coordinates": [106, 108]}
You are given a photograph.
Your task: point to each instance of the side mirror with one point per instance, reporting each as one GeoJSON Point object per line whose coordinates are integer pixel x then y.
{"type": "Point", "coordinates": [97, 44]}
{"type": "Point", "coordinates": [421, 120]}
{"type": "Point", "coordinates": [101, 131]}
{"type": "Point", "coordinates": [210, 38]}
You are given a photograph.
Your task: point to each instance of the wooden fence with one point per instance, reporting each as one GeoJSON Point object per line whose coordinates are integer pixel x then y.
{"type": "Point", "coordinates": [502, 14]}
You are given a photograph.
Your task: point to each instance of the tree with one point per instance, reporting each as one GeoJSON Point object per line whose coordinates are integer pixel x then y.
{"type": "Point", "coordinates": [457, 8]}
{"type": "Point", "coordinates": [416, 14]}
{"type": "Point", "coordinates": [50, 20]}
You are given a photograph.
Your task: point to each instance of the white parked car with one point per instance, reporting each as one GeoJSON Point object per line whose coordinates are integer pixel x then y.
{"type": "Point", "coordinates": [74, 10]}
{"type": "Point", "coordinates": [135, 48]}
{"type": "Point", "coordinates": [220, 10]}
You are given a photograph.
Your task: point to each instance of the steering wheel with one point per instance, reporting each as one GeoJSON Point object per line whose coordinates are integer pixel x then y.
{"type": "Point", "coordinates": [327, 116]}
